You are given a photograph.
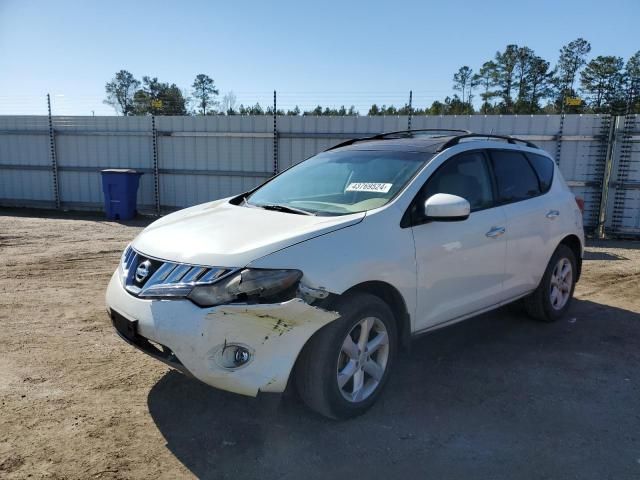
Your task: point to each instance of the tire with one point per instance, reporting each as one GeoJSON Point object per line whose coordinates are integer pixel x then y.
{"type": "Point", "coordinates": [542, 304]}
{"type": "Point", "coordinates": [328, 358]}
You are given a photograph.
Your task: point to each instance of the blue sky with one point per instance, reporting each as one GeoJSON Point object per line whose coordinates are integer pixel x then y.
{"type": "Point", "coordinates": [328, 52]}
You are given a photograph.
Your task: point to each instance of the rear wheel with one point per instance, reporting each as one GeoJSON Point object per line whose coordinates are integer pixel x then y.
{"type": "Point", "coordinates": [551, 300]}
{"type": "Point", "coordinates": [343, 368]}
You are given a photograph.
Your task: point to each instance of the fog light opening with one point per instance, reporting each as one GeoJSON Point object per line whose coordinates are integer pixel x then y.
{"type": "Point", "coordinates": [234, 356]}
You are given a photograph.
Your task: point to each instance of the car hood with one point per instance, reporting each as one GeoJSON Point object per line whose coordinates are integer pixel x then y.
{"type": "Point", "coordinates": [226, 235]}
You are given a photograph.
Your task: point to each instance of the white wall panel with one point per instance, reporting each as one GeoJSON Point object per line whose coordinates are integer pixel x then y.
{"type": "Point", "coordinates": [204, 158]}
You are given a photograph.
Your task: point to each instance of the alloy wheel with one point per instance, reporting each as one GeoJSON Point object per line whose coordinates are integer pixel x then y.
{"type": "Point", "coordinates": [561, 283]}
{"type": "Point", "coordinates": [363, 359]}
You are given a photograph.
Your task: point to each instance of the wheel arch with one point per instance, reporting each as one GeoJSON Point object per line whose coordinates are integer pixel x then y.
{"type": "Point", "coordinates": [573, 242]}
{"type": "Point", "coordinates": [392, 297]}
{"type": "Point", "coordinates": [383, 290]}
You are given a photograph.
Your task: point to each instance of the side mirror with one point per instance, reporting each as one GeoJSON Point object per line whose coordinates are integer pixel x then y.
{"type": "Point", "coordinates": [443, 207]}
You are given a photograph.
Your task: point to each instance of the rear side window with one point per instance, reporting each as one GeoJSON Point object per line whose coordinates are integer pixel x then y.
{"type": "Point", "coordinates": [544, 168]}
{"type": "Point", "coordinates": [515, 178]}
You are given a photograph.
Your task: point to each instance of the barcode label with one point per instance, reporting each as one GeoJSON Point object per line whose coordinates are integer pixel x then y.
{"type": "Point", "coordinates": [369, 187]}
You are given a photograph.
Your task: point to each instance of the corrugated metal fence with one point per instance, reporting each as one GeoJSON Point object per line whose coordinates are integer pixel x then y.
{"type": "Point", "coordinates": [188, 160]}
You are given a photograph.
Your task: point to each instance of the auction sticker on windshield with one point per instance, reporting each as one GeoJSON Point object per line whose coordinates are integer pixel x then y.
{"type": "Point", "coordinates": [369, 187]}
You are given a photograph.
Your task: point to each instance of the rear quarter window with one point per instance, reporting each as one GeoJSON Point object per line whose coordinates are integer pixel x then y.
{"type": "Point", "coordinates": [544, 169]}
{"type": "Point", "coordinates": [515, 177]}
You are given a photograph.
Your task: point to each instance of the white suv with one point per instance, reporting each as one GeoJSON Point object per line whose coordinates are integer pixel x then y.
{"type": "Point", "coordinates": [320, 275]}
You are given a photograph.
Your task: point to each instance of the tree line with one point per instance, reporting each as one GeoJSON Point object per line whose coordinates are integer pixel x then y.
{"type": "Point", "coordinates": [515, 80]}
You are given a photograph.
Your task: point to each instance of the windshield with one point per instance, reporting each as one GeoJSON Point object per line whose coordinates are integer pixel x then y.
{"type": "Point", "coordinates": [339, 183]}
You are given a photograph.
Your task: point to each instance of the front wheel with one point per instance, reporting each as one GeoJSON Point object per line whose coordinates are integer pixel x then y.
{"type": "Point", "coordinates": [343, 368]}
{"type": "Point", "coordinates": [551, 300]}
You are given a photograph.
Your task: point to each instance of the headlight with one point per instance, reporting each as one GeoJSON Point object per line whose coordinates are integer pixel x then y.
{"type": "Point", "coordinates": [247, 285]}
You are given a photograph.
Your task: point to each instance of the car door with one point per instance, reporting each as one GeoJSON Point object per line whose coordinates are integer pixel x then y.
{"type": "Point", "coordinates": [530, 219]}
{"type": "Point", "coordinates": [460, 264]}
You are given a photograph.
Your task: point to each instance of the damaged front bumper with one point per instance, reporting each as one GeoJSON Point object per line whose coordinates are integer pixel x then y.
{"type": "Point", "coordinates": [196, 340]}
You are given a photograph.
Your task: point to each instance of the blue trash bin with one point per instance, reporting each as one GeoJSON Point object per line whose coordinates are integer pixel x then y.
{"type": "Point", "coordinates": [120, 187]}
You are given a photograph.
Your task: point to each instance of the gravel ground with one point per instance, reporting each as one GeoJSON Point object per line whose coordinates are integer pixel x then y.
{"type": "Point", "coordinates": [498, 396]}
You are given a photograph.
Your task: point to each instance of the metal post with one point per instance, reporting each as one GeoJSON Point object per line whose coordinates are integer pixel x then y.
{"type": "Point", "coordinates": [560, 133]}
{"type": "Point", "coordinates": [156, 170]}
{"type": "Point", "coordinates": [275, 135]}
{"type": "Point", "coordinates": [52, 154]}
{"type": "Point", "coordinates": [608, 166]}
{"type": "Point", "coordinates": [410, 109]}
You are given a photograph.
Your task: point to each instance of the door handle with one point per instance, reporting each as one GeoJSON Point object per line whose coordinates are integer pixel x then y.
{"type": "Point", "coordinates": [495, 232]}
{"type": "Point", "coordinates": [552, 214]}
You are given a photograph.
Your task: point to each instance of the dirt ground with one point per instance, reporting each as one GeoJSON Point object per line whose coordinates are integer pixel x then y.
{"type": "Point", "coordinates": [498, 396]}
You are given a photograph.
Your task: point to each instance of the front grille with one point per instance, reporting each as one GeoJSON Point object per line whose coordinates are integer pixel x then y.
{"type": "Point", "coordinates": [147, 277]}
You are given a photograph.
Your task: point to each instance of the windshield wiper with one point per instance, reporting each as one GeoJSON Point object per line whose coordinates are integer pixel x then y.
{"type": "Point", "coordinates": [285, 208]}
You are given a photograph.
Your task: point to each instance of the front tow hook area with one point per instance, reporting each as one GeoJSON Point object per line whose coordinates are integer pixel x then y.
{"type": "Point", "coordinates": [128, 331]}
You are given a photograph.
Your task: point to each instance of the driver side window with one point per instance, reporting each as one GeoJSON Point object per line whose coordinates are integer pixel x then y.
{"type": "Point", "coordinates": [465, 175]}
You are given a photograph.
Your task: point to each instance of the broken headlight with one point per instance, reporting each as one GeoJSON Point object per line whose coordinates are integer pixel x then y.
{"type": "Point", "coordinates": [251, 284]}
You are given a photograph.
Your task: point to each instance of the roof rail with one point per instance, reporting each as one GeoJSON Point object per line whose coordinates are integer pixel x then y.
{"type": "Point", "coordinates": [411, 133]}
{"type": "Point", "coordinates": [509, 139]}
{"type": "Point", "coordinates": [398, 134]}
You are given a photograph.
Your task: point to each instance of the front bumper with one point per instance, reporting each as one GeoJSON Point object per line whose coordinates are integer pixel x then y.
{"type": "Point", "coordinates": [192, 338]}
{"type": "Point", "coordinates": [128, 331]}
